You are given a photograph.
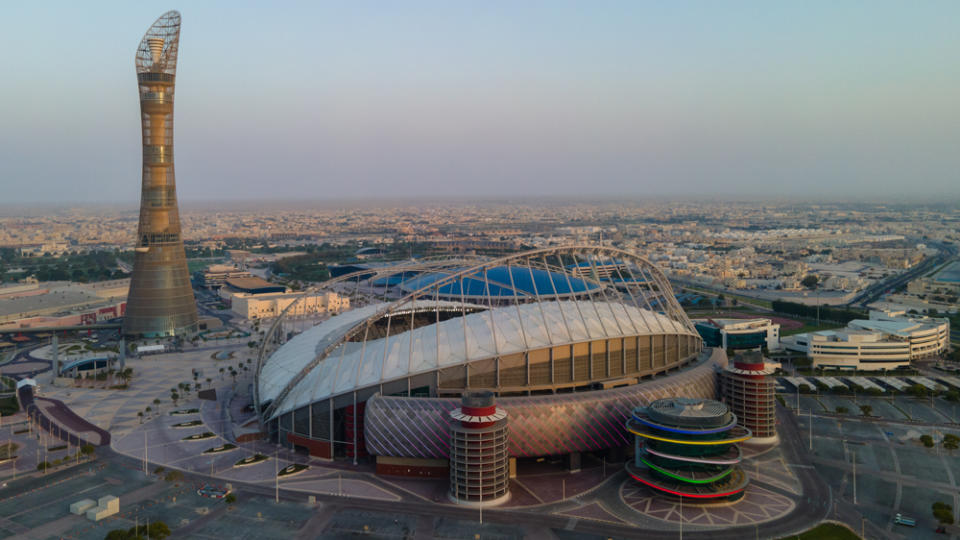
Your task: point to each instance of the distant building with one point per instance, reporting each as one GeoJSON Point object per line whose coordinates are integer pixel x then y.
{"type": "Point", "coordinates": [50, 248]}
{"type": "Point", "coordinates": [739, 333]}
{"type": "Point", "coordinates": [253, 285]}
{"type": "Point", "coordinates": [888, 340]}
{"type": "Point", "coordinates": [945, 282]}
{"type": "Point", "coordinates": [216, 274]}
{"type": "Point", "coordinates": [271, 304]}
{"type": "Point", "coordinates": [61, 303]}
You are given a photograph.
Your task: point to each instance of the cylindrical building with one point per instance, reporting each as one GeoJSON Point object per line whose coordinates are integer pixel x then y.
{"type": "Point", "coordinates": [479, 461]}
{"type": "Point", "coordinates": [747, 388]}
{"type": "Point", "coordinates": [160, 301]}
{"type": "Point", "coordinates": [688, 447]}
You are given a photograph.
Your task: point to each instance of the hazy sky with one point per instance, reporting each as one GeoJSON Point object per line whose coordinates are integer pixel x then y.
{"type": "Point", "coordinates": [323, 100]}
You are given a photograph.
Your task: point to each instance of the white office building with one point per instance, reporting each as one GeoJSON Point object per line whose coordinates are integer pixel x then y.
{"type": "Point", "coordinates": [888, 340]}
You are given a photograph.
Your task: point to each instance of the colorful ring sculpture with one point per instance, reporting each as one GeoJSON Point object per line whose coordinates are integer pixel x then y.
{"type": "Point", "coordinates": [688, 448]}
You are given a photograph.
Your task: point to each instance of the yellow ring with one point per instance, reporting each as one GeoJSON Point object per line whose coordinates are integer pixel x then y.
{"type": "Point", "coordinates": [701, 443]}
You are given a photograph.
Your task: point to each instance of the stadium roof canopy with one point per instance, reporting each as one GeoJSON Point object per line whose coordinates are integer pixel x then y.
{"type": "Point", "coordinates": [502, 281]}
{"type": "Point", "coordinates": [485, 333]}
{"type": "Point", "coordinates": [456, 312]}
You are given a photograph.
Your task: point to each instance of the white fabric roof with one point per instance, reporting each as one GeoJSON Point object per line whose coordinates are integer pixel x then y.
{"type": "Point", "coordinates": [484, 334]}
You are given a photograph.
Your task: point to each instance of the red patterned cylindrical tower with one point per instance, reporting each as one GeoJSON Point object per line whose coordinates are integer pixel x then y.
{"type": "Point", "coordinates": [750, 392]}
{"type": "Point", "coordinates": [479, 462]}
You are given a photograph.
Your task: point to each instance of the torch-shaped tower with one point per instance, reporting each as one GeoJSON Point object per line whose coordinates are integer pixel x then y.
{"type": "Point", "coordinates": [160, 302]}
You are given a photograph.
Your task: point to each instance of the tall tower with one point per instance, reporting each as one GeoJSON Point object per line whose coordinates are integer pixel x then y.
{"type": "Point", "coordinates": [160, 302]}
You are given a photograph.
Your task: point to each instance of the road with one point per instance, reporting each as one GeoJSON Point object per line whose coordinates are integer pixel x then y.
{"type": "Point", "coordinates": [875, 291]}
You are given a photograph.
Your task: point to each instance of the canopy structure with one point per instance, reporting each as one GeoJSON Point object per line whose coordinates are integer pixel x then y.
{"type": "Point", "coordinates": [560, 316]}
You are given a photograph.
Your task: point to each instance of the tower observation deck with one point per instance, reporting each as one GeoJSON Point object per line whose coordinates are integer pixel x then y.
{"type": "Point", "coordinates": [161, 301]}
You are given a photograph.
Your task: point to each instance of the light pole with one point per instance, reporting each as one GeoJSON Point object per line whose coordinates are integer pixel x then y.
{"type": "Point", "coordinates": [854, 453]}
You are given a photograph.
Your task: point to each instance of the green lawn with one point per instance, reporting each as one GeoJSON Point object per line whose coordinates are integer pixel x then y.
{"type": "Point", "coordinates": [740, 298]}
{"type": "Point", "coordinates": [825, 531]}
{"type": "Point", "coordinates": [195, 265]}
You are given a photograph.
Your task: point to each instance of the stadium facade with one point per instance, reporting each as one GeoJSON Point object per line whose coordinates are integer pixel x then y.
{"type": "Point", "coordinates": [568, 351]}
{"type": "Point", "coordinates": [160, 301]}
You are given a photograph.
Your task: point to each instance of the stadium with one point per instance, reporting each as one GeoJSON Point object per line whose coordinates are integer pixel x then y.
{"type": "Point", "coordinates": [570, 340]}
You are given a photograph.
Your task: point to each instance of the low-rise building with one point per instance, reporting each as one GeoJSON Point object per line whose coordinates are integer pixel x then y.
{"type": "Point", "coordinates": [216, 275]}
{"type": "Point", "coordinates": [268, 305]}
{"type": "Point", "coordinates": [888, 340]}
{"type": "Point", "coordinates": [739, 333]}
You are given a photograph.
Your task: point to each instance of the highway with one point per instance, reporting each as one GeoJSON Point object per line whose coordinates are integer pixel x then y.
{"type": "Point", "coordinates": [875, 291]}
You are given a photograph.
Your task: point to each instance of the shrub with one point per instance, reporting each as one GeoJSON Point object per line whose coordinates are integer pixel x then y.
{"type": "Point", "coordinates": [943, 512]}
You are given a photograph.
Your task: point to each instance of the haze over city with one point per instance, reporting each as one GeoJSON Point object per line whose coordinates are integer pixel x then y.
{"type": "Point", "coordinates": [493, 100]}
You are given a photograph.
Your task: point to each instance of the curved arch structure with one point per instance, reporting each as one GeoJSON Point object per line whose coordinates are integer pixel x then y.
{"type": "Point", "coordinates": [160, 301]}
{"type": "Point", "coordinates": [621, 296]}
{"type": "Point", "coordinates": [576, 318]}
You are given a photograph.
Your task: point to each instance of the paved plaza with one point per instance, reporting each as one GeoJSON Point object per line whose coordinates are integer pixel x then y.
{"type": "Point", "coordinates": [895, 473]}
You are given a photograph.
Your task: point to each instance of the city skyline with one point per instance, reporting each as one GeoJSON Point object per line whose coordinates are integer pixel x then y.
{"type": "Point", "coordinates": [473, 101]}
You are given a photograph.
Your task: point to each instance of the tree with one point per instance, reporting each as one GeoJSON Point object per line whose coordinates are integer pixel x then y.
{"type": "Point", "coordinates": [917, 390]}
{"type": "Point", "coordinates": [842, 410]}
{"type": "Point", "coordinates": [951, 442]}
{"type": "Point", "coordinates": [173, 476]}
{"type": "Point", "coordinates": [810, 281]}
{"type": "Point", "coordinates": [943, 512]}
{"type": "Point", "coordinates": [87, 449]}
{"type": "Point", "coordinates": [175, 397]}
{"type": "Point", "coordinates": [117, 534]}
{"type": "Point", "coordinates": [230, 498]}
{"type": "Point", "coordinates": [927, 440]}
{"type": "Point", "coordinates": [866, 410]}
{"type": "Point", "coordinates": [140, 416]}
